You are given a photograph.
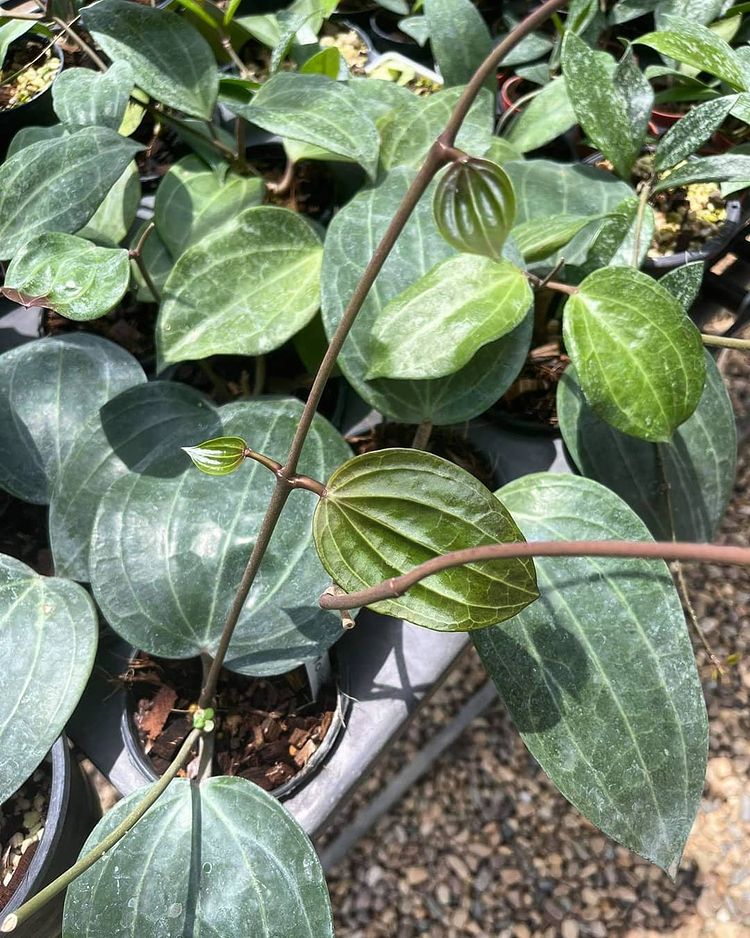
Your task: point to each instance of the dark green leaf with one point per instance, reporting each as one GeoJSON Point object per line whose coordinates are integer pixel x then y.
{"type": "Point", "coordinates": [638, 356]}
{"type": "Point", "coordinates": [58, 184]}
{"type": "Point", "coordinates": [698, 464]}
{"type": "Point", "coordinates": [448, 19]}
{"type": "Point", "coordinates": [696, 11]}
{"type": "Point", "coordinates": [48, 634]}
{"type": "Point", "coordinates": [171, 61]}
{"type": "Point", "coordinates": [122, 436]}
{"type": "Point", "coordinates": [166, 588]}
{"type": "Point", "coordinates": [684, 283]}
{"type": "Point", "coordinates": [209, 859]}
{"type": "Point", "coordinates": [48, 388]}
{"type": "Point", "coordinates": [599, 674]}
{"type": "Point", "coordinates": [692, 130]}
{"type": "Point", "coordinates": [28, 135]}
{"type": "Point", "coordinates": [68, 274]}
{"type": "Point", "coordinates": [437, 325]}
{"type": "Point", "coordinates": [82, 97]}
{"type": "Point", "coordinates": [243, 290]}
{"type": "Point", "coordinates": [725, 168]}
{"type": "Point", "coordinates": [385, 512]}
{"type": "Point", "coordinates": [614, 242]}
{"type": "Point", "coordinates": [218, 457]}
{"type": "Point", "coordinates": [112, 220]}
{"type": "Point", "coordinates": [689, 42]}
{"type": "Point", "coordinates": [547, 116]}
{"type": "Point", "coordinates": [540, 237]}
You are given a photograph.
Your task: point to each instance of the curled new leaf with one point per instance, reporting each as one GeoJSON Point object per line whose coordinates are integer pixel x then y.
{"type": "Point", "coordinates": [475, 206]}
{"type": "Point", "coordinates": [218, 457]}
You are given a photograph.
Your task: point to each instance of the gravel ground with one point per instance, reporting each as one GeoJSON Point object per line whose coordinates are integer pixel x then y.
{"type": "Point", "coordinates": [486, 846]}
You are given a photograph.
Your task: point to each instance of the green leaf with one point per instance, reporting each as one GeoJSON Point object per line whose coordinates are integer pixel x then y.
{"type": "Point", "coordinates": [437, 325]}
{"type": "Point", "coordinates": [327, 62]}
{"type": "Point", "coordinates": [214, 859]}
{"type": "Point", "coordinates": [385, 512]}
{"type": "Point", "coordinates": [48, 388]}
{"type": "Point", "coordinates": [448, 19]}
{"type": "Point", "coordinates": [547, 116]}
{"type": "Point", "coordinates": [192, 202]}
{"type": "Point", "coordinates": [313, 109]}
{"type": "Point", "coordinates": [265, 28]}
{"type": "Point", "coordinates": [48, 634]}
{"type": "Point", "coordinates": [171, 61]}
{"type": "Point", "coordinates": [699, 463]}
{"type": "Point", "coordinates": [696, 11]}
{"type": "Point", "coordinates": [82, 97]}
{"type": "Point", "coordinates": [599, 674]}
{"type": "Point", "coordinates": [58, 184]}
{"type": "Point", "coordinates": [218, 457]}
{"type": "Point", "coordinates": [68, 274]}
{"type": "Point", "coordinates": [638, 356]}
{"type": "Point", "coordinates": [612, 109]}
{"type": "Point", "coordinates": [28, 135]}
{"type": "Point", "coordinates": [376, 98]}
{"type": "Point", "coordinates": [352, 237]}
{"type": "Point", "coordinates": [417, 28]}
{"type": "Point", "coordinates": [243, 290]}
{"type": "Point", "coordinates": [614, 242]}
{"type": "Point", "coordinates": [409, 132]}
{"type": "Point", "coordinates": [122, 436]}
{"type": "Point", "coordinates": [9, 32]}
{"type": "Point", "coordinates": [725, 168]}
{"type": "Point", "coordinates": [692, 130]}
{"type": "Point", "coordinates": [684, 283]}
{"type": "Point", "coordinates": [692, 44]}
{"type": "Point", "coordinates": [112, 220]}
{"type": "Point", "coordinates": [540, 237]}
{"type": "Point", "coordinates": [167, 588]}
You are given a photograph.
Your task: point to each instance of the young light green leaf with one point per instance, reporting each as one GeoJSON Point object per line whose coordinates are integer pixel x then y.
{"type": "Point", "coordinates": [48, 635]}
{"type": "Point", "coordinates": [447, 19]}
{"type": "Point", "coordinates": [48, 388]}
{"type": "Point", "coordinates": [243, 290]}
{"type": "Point", "coordinates": [192, 202]}
{"type": "Point", "coordinates": [599, 674]}
{"type": "Point", "coordinates": [689, 42]}
{"type": "Point", "coordinates": [475, 206]}
{"type": "Point", "coordinates": [112, 220]}
{"type": "Point", "coordinates": [692, 130]}
{"type": "Point", "coordinates": [170, 59]}
{"type": "Point", "coordinates": [698, 464]}
{"type": "Point", "coordinates": [725, 168]}
{"type": "Point", "coordinates": [68, 274]}
{"type": "Point", "coordinates": [58, 184]}
{"type": "Point", "coordinates": [612, 109]}
{"type": "Point", "coordinates": [327, 62]}
{"type": "Point", "coordinates": [639, 358]}
{"type": "Point", "coordinates": [122, 436]}
{"type": "Point", "coordinates": [313, 109]}
{"type": "Point", "coordinates": [82, 97]}
{"type": "Point", "coordinates": [197, 846]}
{"type": "Point", "coordinates": [218, 457]}
{"type": "Point", "coordinates": [351, 238]}
{"type": "Point", "coordinates": [540, 237]}
{"type": "Point", "coordinates": [437, 325]}
{"type": "Point", "coordinates": [385, 512]}
{"type": "Point", "coordinates": [167, 588]}
{"type": "Point", "coordinates": [548, 115]}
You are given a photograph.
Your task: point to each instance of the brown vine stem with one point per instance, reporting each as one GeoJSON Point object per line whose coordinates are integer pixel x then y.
{"type": "Point", "coordinates": [725, 341]}
{"type": "Point", "coordinates": [434, 160]}
{"type": "Point", "coordinates": [136, 254]}
{"type": "Point", "coordinates": [639, 550]}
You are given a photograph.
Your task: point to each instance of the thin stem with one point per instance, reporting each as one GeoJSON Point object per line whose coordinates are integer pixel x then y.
{"type": "Point", "coordinates": [272, 465]}
{"type": "Point", "coordinates": [259, 375]}
{"type": "Point", "coordinates": [226, 44]}
{"type": "Point", "coordinates": [82, 45]}
{"type": "Point", "coordinates": [725, 341]}
{"type": "Point", "coordinates": [240, 136]}
{"type": "Point", "coordinates": [184, 127]}
{"type": "Point", "coordinates": [539, 283]}
{"type": "Point", "coordinates": [62, 882]}
{"type": "Point", "coordinates": [138, 249]}
{"type": "Point", "coordinates": [141, 264]}
{"type": "Point", "coordinates": [644, 550]}
{"type": "Point", "coordinates": [642, 202]}
{"type": "Point", "coordinates": [206, 744]}
{"type": "Point", "coordinates": [13, 15]}
{"type": "Point", "coordinates": [422, 436]}
{"type": "Point", "coordinates": [295, 481]}
{"type": "Point", "coordinates": [285, 183]}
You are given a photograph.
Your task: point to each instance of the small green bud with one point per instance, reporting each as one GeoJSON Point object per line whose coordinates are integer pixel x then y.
{"type": "Point", "coordinates": [218, 457]}
{"type": "Point", "coordinates": [475, 206]}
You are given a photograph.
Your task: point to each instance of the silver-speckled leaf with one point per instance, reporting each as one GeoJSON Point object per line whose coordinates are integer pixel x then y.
{"type": "Point", "coordinates": [445, 21]}
{"type": "Point", "coordinates": [83, 98]}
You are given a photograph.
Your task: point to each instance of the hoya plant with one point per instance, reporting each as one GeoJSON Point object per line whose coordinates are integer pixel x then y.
{"type": "Point", "coordinates": [200, 517]}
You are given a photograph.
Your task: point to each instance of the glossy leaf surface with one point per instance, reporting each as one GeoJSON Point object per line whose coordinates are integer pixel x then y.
{"type": "Point", "coordinates": [614, 242]}
{"type": "Point", "coordinates": [540, 237]}
{"type": "Point", "coordinates": [58, 184]}
{"type": "Point", "coordinates": [170, 59]}
{"type": "Point", "coordinates": [48, 388]}
{"type": "Point", "coordinates": [48, 634]}
{"type": "Point", "coordinates": [68, 274]}
{"type": "Point", "coordinates": [447, 19]}
{"type": "Point", "coordinates": [208, 859]}
{"type": "Point", "coordinates": [112, 220]}
{"type": "Point", "coordinates": [243, 290]}
{"type": "Point", "coordinates": [352, 237]}
{"type": "Point", "coordinates": [684, 283]}
{"type": "Point", "coordinates": [725, 168]}
{"type": "Point", "coordinates": [599, 674]}
{"type": "Point", "coordinates": [170, 544]}
{"type": "Point", "coordinates": [122, 437]}
{"type": "Point", "coordinates": [85, 98]}
{"type": "Point", "coordinates": [192, 201]}
{"type": "Point", "coordinates": [436, 326]}
{"type": "Point", "coordinates": [698, 463]}
{"type": "Point", "coordinates": [548, 115]}
{"type": "Point", "coordinates": [218, 457]}
{"type": "Point", "coordinates": [385, 512]}
{"type": "Point", "coordinates": [692, 130]}
{"type": "Point", "coordinates": [639, 358]}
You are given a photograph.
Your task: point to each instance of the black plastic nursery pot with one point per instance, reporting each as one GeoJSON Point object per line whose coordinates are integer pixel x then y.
{"type": "Point", "coordinates": [71, 815]}
{"type": "Point", "coordinates": [36, 112]}
{"type": "Point", "coordinates": [387, 37]}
